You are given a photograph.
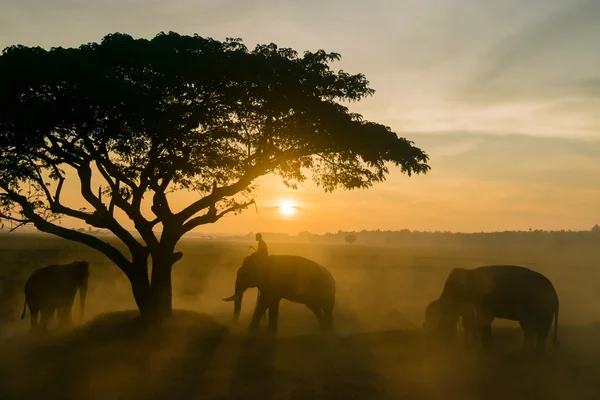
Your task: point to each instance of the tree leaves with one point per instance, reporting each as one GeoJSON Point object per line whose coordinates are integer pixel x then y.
{"type": "Point", "coordinates": [186, 113]}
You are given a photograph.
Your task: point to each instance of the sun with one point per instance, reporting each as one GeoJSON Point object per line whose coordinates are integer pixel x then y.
{"type": "Point", "coordinates": [287, 208]}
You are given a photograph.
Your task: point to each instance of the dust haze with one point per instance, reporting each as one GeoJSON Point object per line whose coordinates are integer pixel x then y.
{"type": "Point", "coordinates": [383, 284]}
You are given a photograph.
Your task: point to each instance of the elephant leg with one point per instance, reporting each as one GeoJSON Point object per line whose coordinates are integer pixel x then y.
{"type": "Point", "coordinates": [33, 318]}
{"type": "Point", "coordinates": [261, 308]}
{"type": "Point", "coordinates": [319, 314]}
{"type": "Point", "coordinates": [66, 310]}
{"type": "Point", "coordinates": [484, 322]}
{"type": "Point", "coordinates": [274, 315]}
{"type": "Point", "coordinates": [328, 318]}
{"type": "Point", "coordinates": [264, 316]}
{"type": "Point", "coordinates": [69, 315]}
{"type": "Point", "coordinates": [60, 317]}
{"type": "Point", "coordinates": [469, 337]}
{"type": "Point", "coordinates": [486, 336]}
{"type": "Point", "coordinates": [542, 329]}
{"type": "Point", "coordinates": [540, 348]}
{"type": "Point", "coordinates": [528, 338]}
{"type": "Point", "coordinates": [46, 316]}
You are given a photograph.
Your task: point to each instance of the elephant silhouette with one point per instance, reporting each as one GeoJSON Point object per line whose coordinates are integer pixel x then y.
{"type": "Point", "coordinates": [289, 277]}
{"type": "Point", "coordinates": [500, 291]}
{"type": "Point", "coordinates": [52, 289]}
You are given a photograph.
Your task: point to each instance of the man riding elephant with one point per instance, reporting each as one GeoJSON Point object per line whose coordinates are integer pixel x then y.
{"type": "Point", "coordinates": [262, 246]}
{"type": "Point", "coordinates": [293, 278]}
{"type": "Point", "coordinates": [262, 256]}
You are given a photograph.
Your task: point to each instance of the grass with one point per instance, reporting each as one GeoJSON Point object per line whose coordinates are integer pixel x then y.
{"type": "Point", "coordinates": [378, 351]}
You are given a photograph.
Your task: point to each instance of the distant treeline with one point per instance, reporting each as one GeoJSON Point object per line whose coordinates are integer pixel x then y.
{"type": "Point", "coordinates": [416, 238]}
{"type": "Point", "coordinates": [536, 238]}
{"type": "Point", "coordinates": [406, 237]}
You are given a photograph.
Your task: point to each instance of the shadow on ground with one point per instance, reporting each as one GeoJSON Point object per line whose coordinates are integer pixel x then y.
{"type": "Point", "coordinates": [196, 357]}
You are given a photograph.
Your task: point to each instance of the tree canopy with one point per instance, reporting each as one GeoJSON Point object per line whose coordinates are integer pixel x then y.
{"type": "Point", "coordinates": [134, 120]}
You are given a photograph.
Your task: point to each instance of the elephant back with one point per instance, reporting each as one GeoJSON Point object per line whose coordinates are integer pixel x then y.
{"type": "Point", "coordinates": [58, 279]}
{"type": "Point", "coordinates": [302, 274]}
{"type": "Point", "coordinates": [504, 286]}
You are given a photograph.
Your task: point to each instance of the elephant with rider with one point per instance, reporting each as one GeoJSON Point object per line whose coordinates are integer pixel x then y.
{"type": "Point", "coordinates": [52, 289]}
{"type": "Point", "coordinates": [289, 277]}
{"type": "Point", "coordinates": [500, 291]}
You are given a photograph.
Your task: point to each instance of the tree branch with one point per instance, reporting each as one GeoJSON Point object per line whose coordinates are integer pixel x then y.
{"type": "Point", "coordinates": [218, 194]}
{"type": "Point", "coordinates": [18, 226]}
{"type": "Point", "coordinates": [212, 216]}
{"type": "Point", "coordinates": [115, 195]}
{"type": "Point", "coordinates": [40, 223]}
{"type": "Point", "coordinates": [154, 222]}
{"type": "Point", "coordinates": [102, 216]}
{"type": "Point", "coordinates": [112, 170]}
{"type": "Point", "coordinates": [54, 204]}
{"type": "Point", "coordinates": [143, 226]}
{"type": "Point", "coordinates": [58, 151]}
{"type": "Point", "coordinates": [14, 219]}
{"type": "Point", "coordinates": [38, 178]}
{"type": "Point", "coordinates": [160, 205]}
{"type": "Point", "coordinates": [61, 181]}
{"type": "Point", "coordinates": [114, 187]}
{"type": "Point", "coordinates": [138, 193]}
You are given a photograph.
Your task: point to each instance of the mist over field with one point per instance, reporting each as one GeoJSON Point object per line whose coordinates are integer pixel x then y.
{"type": "Point", "coordinates": [134, 134]}
{"type": "Point", "coordinates": [378, 350]}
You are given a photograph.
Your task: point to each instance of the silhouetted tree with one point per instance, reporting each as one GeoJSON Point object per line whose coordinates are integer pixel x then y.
{"type": "Point", "coordinates": [350, 239]}
{"type": "Point", "coordinates": [135, 120]}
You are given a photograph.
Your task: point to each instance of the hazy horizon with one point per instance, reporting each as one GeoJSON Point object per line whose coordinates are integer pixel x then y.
{"type": "Point", "coordinates": [250, 234]}
{"type": "Point", "coordinates": [503, 96]}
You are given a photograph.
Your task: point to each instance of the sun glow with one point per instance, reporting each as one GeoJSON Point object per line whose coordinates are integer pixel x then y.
{"type": "Point", "coordinates": [287, 208]}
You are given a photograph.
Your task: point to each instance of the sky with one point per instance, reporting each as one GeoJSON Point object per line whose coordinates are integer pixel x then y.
{"type": "Point", "coordinates": [502, 95]}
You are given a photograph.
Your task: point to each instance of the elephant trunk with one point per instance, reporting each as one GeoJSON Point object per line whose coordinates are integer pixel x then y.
{"type": "Point", "coordinates": [82, 294]}
{"type": "Point", "coordinates": [240, 288]}
{"type": "Point", "coordinates": [237, 308]}
{"type": "Point", "coordinates": [237, 304]}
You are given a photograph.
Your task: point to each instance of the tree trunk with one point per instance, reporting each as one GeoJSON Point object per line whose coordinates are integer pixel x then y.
{"type": "Point", "coordinates": [162, 296]}
{"type": "Point", "coordinates": [140, 286]}
{"type": "Point", "coordinates": [153, 297]}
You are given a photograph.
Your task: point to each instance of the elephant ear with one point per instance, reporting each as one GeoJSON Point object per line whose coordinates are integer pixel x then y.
{"type": "Point", "coordinates": [253, 261]}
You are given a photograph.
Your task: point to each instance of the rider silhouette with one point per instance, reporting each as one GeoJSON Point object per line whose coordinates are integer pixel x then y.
{"type": "Point", "coordinates": [262, 253]}
{"type": "Point", "coordinates": [262, 246]}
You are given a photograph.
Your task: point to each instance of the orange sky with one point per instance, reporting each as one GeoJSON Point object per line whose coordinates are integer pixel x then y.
{"type": "Point", "coordinates": [503, 96]}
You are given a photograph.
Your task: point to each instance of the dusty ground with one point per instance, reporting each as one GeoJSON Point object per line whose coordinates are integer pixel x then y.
{"type": "Point", "coordinates": [198, 358]}
{"type": "Point", "coordinates": [378, 351]}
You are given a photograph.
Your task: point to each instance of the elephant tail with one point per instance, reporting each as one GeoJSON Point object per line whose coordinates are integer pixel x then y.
{"type": "Point", "coordinates": [556, 343]}
{"type": "Point", "coordinates": [24, 308]}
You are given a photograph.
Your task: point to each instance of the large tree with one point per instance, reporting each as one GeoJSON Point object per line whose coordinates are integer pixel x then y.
{"type": "Point", "coordinates": [134, 120]}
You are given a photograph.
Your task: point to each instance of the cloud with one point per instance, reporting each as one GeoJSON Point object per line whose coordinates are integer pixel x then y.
{"type": "Point", "coordinates": [552, 58]}
{"type": "Point", "coordinates": [563, 26]}
{"type": "Point", "coordinates": [564, 164]}
{"type": "Point", "coordinates": [455, 149]}
{"type": "Point", "coordinates": [587, 87]}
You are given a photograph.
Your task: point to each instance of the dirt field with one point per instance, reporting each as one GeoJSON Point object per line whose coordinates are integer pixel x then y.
{"type": "Point", "coordinates": [378, 351]}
